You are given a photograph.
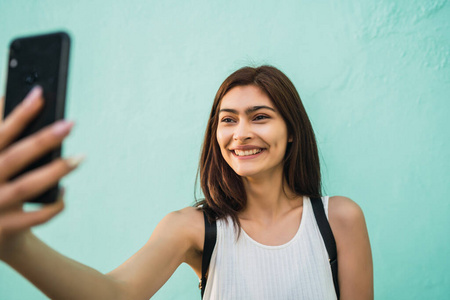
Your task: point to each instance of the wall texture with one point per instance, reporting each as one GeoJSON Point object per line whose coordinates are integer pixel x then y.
{"type": "Point", "coordinates": [374, 77]}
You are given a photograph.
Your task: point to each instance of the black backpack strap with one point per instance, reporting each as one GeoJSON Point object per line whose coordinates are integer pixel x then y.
{"type": "Point", "coordinates": [328, 238]}
{"type": "Point", "coordinates": [208, 247]}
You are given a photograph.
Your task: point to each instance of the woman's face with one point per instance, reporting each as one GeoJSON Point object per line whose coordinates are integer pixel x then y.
{"type": "Point", "coordinates": [251, 133]}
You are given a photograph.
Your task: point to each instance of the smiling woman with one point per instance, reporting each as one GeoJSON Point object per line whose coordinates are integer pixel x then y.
{"type": "Point", "coordinates": [260, 175]}
{"type": "Point", "coordinates": [259, 123]}
{"type": "Point", "coordinates": [257, 105]}
{"type": "Point", "coordinates": [259, 170]}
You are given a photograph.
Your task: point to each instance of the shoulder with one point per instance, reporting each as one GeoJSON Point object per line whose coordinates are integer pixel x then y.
{"type": "Point", "coordinates": [187, 224]}
{"type": "Point", "coordinates": [353, 247]}
{"type": "Point", "coordinates": [348, 224]}
{"type": "Point", "coordinates": [344, 212]}
{"type": "Point", "coordinates": [186, 216]}
{"type": "Point", "coordinates": [346, 220]}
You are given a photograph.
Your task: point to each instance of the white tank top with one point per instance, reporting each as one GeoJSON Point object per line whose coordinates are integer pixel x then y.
{"type": "Point", "coordinates": [246, 269]}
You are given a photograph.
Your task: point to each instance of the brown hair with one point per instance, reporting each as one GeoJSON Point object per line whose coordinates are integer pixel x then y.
{"type": "Point", "coordinates": [222, 188]}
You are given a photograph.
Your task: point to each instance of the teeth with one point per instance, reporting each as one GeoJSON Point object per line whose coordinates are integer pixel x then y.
{"type": "Point", "coordinates": [247, 152]}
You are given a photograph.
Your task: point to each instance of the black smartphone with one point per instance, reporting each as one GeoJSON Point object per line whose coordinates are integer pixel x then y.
{"type": "Point", "coordinates": [39, 60]}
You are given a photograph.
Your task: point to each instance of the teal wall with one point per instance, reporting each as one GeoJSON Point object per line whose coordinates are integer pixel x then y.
{"type": "Point", "coordinates": [374, 77]}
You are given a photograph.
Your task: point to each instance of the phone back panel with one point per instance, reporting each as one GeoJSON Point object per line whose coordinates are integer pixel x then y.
{"type": "Point", "coordinates": [39, 60]}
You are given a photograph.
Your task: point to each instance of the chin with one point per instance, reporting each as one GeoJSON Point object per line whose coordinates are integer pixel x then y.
{"type": "Point", "coordinates": [246, 172]}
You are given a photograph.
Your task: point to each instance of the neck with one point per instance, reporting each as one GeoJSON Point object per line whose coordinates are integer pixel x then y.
{"type": "Point", "coordinates": [268, 198]}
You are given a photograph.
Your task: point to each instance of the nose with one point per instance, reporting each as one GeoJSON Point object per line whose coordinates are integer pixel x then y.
{"type": "Point", "coordinates": [242, 132]}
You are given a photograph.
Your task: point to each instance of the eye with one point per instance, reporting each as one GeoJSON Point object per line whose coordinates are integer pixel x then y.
{"type": "Point", "coordinates": [261, 117]}
{"type": "Point", "coordinates": [226, 120]}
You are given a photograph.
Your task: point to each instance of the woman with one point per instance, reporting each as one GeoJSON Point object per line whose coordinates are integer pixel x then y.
{"type": "Point", "coordinates": [258, 170]}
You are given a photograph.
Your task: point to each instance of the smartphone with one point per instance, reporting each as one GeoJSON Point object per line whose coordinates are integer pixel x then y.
{"type": "Point", "coordinates": [39, 60]}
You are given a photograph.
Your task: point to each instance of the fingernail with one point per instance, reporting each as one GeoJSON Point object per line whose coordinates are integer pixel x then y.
{"type": "Point", "coordinates": [75, 161]}
{"type": "Point", "coordinates": [62, 128]}
{"type": "Point", "coordinates": [33, 96]}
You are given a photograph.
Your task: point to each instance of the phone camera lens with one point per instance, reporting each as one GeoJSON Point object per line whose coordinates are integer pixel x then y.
{"type": "Point", "coordinates": [13, 63]}
{"type": "Point", "coordinates": [16, 46]}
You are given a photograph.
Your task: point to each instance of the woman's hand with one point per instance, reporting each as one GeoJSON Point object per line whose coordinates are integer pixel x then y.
{"type": "Point", "coordinates": [16, 156]}
{"type": "Point", "coordinates": [176, 239]}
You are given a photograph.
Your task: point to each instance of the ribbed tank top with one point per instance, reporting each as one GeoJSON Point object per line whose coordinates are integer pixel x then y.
{"type": "Point", "coordinates": [246, 269]}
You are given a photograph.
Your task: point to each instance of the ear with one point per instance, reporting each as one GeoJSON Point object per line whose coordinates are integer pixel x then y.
{"type": "Point", "coordinates": [291, 139]}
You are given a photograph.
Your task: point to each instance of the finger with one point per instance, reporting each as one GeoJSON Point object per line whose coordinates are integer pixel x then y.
{"type": "Point", "coordinates": [19, 118]}
{"type": "Point", "coordinates": [22, 153]}
{"type": "Point", "coordinates": [19, 220]}
{"type": "Point", "coordinates": [36, 182]}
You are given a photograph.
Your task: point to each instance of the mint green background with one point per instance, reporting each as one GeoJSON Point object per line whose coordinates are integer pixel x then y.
{"type": "Point", "coordinates": [374, 78]}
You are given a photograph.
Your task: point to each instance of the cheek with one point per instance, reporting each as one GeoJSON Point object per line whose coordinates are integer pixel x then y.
{"type": "Point", "coordinates": [219, 137]}
{"type": "Point", "coordinates": [275, 136]}
{"type": "Point", "coordinates": [223, 136]}
{"type": "Point", "coordinates": [280, 144]}
{"type": "Point", "coordinates": [222, 140]}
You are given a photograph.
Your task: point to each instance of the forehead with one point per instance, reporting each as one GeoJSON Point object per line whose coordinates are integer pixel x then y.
{"type": "Point", "coordinates": [245, 96]}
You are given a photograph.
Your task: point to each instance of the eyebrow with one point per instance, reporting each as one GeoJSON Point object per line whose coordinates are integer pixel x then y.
{"type": "Point", "coordinates": [248, 110]}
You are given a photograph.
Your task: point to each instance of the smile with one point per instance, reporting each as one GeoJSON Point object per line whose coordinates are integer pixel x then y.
{"type": "Point", "coordinates": [247, 152]}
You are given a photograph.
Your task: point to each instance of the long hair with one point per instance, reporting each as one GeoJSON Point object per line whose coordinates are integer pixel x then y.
{"type": "Point", "coordinates": [223, 189]}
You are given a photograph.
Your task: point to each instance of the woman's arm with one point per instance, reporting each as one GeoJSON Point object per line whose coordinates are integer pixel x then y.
{"type": "Point", "coordinates": [57, 276]}
{"type": "Point", "coordinates": [140, 277]}
{"type": "Point", "coordinates": [173, 241]}
{"type": "Point", "coordinates": [176, 239]}
{"type": "Point", "coordinates": [355, 269]}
